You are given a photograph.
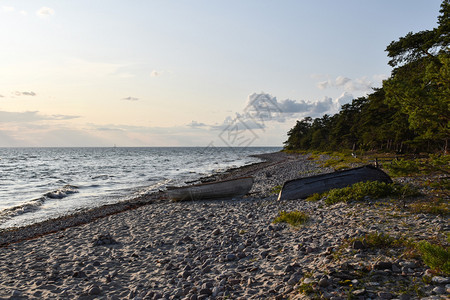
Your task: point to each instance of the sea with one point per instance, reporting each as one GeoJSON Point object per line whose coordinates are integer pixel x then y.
{"type": "Point", "coordinates": [38, 184]}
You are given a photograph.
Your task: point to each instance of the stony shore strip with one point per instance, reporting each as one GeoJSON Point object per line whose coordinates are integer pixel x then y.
{"type": "Point", "coordinates": [229, 250]}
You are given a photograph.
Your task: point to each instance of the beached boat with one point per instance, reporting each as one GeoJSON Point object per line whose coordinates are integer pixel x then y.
{"type": "Point", "coordinates": [212, 190]}
{"type": "Point", "coordinates": [303, 187]}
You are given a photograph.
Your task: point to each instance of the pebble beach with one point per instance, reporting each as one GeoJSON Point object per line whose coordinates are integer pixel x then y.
{"type": "Point", "coordinates": [153, 248]}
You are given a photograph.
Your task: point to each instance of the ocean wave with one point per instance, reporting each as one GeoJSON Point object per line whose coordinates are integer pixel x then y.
{"type": "Point", "coordinates": [14, 211]}
{"type": "Point", "coordinates": [35, 204]}
{"type": "Point", "coordinates": [62, 192]}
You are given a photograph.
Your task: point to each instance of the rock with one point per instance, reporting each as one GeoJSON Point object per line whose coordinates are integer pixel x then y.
{"type": "Point", "coordinates": [404, 297]}
{"type": "Point", "coordinates": [215, 291]}
{"type": "Point", "coordinates": [205, 291]}
{"type": "Point", "coordinates": [94, 290]}
{"type": "Point", "coordinates": [16, 293]}
{"type": "Point", "coordinates": [396, 269]}
{"type": "Point", "coordinates": [79, 274]}
{"type": "Point", "coordinates": [184, 274]}
{"type": "Point", "coordinates": [357, 244]}
{"type": "Point", "coordinates": [193, 297]}
{"type": "Point", "coordinates": [324, 282]}
{"type": "Point", "coordinates": [103, 239]}
{"type": "Point", "coordinates": [385, 295]}
{"type": "Point", "coordinates": [439, 290]}
{"type": "Point", "coordinates": [310, 250]}
{"type": "Point", "coordinates": [359, 292]}
{"type": "Point", "coordinates": [289, 269]}
{"type": "Point", "coordinates": [231, 257]}
{"type": "Point", "coordinates": [408, 264]}
{"type": "Point", "coordinates": [308, 280]}
{"type": "Point", "coordinates": [264, 254]}
{"type": "Point", "coordinates": [383, 265]}
{"type": "Point", "coordinates": [440, 280]}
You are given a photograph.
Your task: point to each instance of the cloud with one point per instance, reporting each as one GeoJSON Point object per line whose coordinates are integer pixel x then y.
{"type": "Point", "coordinates": [8, 9]}
{"type": "Point", "coordinates": [1, 96]}
{"type": "Point", "coordinates": [130, 99]}
{"type": "Point", "coordinates": [45, 12]}
{"type": "Point", "coordinates": [342, 81]}
{"type": "Point", "coordinates": [362, 84]}
{"type": "Point", "coordinates": [17, 93]}
{"type": "Point", "coordinates": [30, 116]}
{"type": "Point", "coordinates": [195, 124]}
{"type": "Point", "coordinates": [155, 73]}
{"type": "Point", "coordinates": [323, 84]}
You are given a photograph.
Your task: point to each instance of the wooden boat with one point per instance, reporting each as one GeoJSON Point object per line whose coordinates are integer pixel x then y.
{"type": "Point", "coordinates": [304, 187]}
{"type": "Point", "coordinates": [212, 190]}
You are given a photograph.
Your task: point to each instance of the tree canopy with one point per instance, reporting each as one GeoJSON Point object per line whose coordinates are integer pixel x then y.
{"type": "Point", "coordinates": [409, 113]}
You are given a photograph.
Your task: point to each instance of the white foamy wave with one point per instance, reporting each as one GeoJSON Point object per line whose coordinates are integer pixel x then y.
{"type": "Point", "coordinates": [36, 204]}
{"type": "Point", "coordinates": [62, 192]}
{"type": "Point", "coordinates": [14, 211]}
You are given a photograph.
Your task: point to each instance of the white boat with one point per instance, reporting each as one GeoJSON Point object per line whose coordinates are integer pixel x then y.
{"type": "Point", "coordinates": [212, 190]}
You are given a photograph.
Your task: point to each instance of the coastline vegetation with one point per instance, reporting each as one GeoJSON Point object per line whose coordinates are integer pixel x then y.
{"type": "Point", "coordinates": [363, 190]}
{"type": "Point", "coordinates": [409, 114]}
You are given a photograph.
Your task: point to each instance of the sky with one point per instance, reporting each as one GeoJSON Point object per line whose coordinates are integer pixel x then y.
{"type": "Point", "coordinates": [189, 73]}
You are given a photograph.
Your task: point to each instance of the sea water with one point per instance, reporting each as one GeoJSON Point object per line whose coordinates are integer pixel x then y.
{"type": "Point", "coordinates": [42, 183]}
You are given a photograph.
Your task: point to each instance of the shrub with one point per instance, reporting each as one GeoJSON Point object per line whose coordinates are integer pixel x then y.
{"type": "Point", "coordinates": [294, 218]}
{"type": "Point", "coordinates": [373, 189]}
{"type": "Point", "coordinates": [434, 207]}
{"type": "Point", "coordinates": [403, 167]}
{"type": "Point", "coordinates": [435, 256]}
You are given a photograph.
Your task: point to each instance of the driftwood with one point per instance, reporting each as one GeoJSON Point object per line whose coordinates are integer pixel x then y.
{"type": "Point", "coordinates": [303, 187]}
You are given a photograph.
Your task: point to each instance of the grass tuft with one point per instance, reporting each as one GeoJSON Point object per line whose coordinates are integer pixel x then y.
{"type": "Point", "coordinates": [293, 218]}
{"type": "Point", "coordinates": [276, 189]}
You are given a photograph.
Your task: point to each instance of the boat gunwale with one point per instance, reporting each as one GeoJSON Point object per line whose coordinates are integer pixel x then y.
{"type": "Point", "coordinates": [208, 183]}
{"type": "Point", "coordinates": [337, 173]}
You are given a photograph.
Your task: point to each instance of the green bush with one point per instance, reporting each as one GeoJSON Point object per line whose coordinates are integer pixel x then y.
{"type": "Point", "coordinates": [403, 167]}
{"type": "Point", "coordinates": [373, 189]}
{"type": "Point", "coordinates": [435, 256]}
{"type": "Point", "coordinates": [294, 218]}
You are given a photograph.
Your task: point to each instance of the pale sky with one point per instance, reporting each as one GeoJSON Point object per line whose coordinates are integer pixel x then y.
{"type": "Point", "coordinates": [189, 73]}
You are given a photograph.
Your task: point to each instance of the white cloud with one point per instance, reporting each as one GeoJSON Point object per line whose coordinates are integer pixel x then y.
{"type": "Point", "coordinates": [8, 9]}
{"type": "Point", "coordinates": [130, 98]}
{"type": "Point", "coordinates": [342, 81]}
{"type": "Point", "coordinates": [44, 12]}
{"type": "Point", "coordinates": [323, 84]}
{"type": "Point", "coordinates": [30, 116]}
{"type": "Point", "coordinates": [344, 98]}
{"type": "Point", "coordinates": [23, 13]}
{"type": "Point", "coordinates": [155, 73]}
{"type": "Point", "coordinates": [362, 84]}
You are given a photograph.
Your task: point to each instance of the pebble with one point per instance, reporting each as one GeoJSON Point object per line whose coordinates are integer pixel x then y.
{"type": "Point", "coordinates": [223, 249]}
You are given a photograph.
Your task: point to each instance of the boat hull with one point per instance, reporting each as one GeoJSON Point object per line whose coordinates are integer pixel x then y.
{"type": "Point", "coordinates": [213, 190]}
{"type": "Point", "coordinates": [303, 187]}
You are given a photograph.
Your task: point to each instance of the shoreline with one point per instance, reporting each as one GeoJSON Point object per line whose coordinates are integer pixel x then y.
{"type": "Point", "coordinates": [230, 249]}
{"type": "Point", "coordinates": [16, 234]}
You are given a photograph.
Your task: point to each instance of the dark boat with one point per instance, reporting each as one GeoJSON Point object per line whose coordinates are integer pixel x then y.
{"type": "Point", "coordinates": [303, 187]}
{"type": "Point", "coordinates": [212, 190]}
